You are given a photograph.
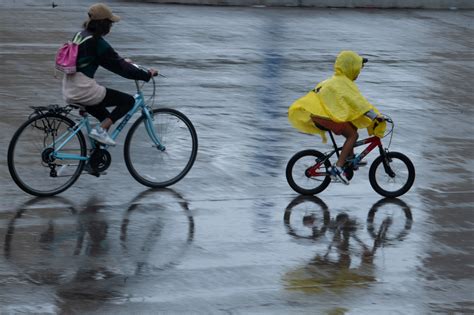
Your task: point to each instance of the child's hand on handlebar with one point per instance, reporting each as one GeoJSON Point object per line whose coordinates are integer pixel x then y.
{"type": "Point", "coordinates": [380, 118]}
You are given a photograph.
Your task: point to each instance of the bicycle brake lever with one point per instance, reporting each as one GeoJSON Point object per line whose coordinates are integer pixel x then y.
{"type": "Point", "coordinates": [388, 119]}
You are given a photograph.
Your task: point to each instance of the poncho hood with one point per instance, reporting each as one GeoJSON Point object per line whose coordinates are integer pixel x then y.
{"type": "Point", "coordinates": [349, 64]}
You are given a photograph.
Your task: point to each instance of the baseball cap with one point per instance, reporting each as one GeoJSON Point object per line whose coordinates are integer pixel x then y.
{"type": "Point", "coordinates": [101, 11]}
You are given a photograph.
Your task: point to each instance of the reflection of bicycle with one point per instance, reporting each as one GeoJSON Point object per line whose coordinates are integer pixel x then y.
{"type": "Point", "coordinates": [313, 214]}
{"type": "Point", "coordinates": [391, 174]}
{"type": "Point", "coordinates": [48, 239]}
{"type": "Point", "coordinates": [40, 240]}
{"type": "Point", "coordinates": [335, 268]}
{"type": "Point", "coordinates": [162, 234]}
{"type": "Point", "coordinates": [48, 153]}
{"type": "Point", "coordinates": [394, 224]}
{"type": "Point", "coordinates": [308, 217]}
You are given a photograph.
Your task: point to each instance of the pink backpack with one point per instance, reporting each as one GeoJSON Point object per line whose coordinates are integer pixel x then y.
{"type": "Point", "coordinates": [66, 56]}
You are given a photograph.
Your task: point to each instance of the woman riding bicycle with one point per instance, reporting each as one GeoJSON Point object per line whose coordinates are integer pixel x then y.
{"type": "Point", "coordinates": [336, 104]}
{"type": "Point", "coordinates": [81, 88]}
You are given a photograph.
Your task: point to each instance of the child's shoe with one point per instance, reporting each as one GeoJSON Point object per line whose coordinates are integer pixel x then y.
{"type": "Point", "coordinates": [338, 174]}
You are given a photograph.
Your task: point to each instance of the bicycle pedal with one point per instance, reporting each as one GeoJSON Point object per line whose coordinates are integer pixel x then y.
{"type": "Point", "coordinates": [96, 174]}
{"type": "Point", "coordinates": [88, 170]}
{"type": "Point", "coordinates": [335, 179]}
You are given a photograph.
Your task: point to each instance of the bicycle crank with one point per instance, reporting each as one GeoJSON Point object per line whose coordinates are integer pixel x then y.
{"type": "Point", "coordinates": [100, 160]}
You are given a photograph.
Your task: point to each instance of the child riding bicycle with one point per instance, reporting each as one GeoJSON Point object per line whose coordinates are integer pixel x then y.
{"type": "Point", "coordinates": [336, 104]}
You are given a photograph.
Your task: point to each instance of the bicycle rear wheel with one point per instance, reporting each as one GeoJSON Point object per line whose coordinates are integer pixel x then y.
{"type": "Point", "coordinates": [306, 172]}
{"type": "Point", "coordinates": [29, 155]}
{"type": "Point", "coordinates": [151, 166]}
{"type": "Point", "coordinates": [392, 175]}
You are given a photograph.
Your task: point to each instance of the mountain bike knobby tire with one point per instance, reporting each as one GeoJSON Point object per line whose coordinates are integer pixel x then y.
{"type": "Point", "coordinates": [315, 184]}
{"type": "Point", "coordinates": [138, 172]}
{"type": "Point", "coordinates": [36, 164]}
{"type": "Point", "coordinates": [391, 157]}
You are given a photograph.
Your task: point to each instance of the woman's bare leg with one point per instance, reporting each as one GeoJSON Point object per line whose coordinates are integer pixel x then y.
{"type": "Point", "coordinates": [106, 123]}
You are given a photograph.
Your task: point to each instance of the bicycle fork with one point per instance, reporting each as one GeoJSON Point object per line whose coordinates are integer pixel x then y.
{"type": "Point", "coordinates": [386, 162]}
{"type": "Point", "coordinates": [151, 131]}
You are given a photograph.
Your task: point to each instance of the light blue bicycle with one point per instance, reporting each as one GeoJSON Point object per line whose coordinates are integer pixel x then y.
{"type": "Point", "coordinates": [48, 153]}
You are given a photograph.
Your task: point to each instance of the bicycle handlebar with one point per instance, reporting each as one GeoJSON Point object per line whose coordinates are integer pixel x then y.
{"type": "Point", "coordinates": [153, 81]}
{"type": "Point", "coordinates": [145, 69]}
{"type": "Point", "coordinates": [383, 118]}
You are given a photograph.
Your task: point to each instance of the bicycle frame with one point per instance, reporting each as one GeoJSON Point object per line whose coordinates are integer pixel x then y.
{"type": "Point", "coordinates": [372, 142]}
{"type": "Point", "coordinates": [85, 123]}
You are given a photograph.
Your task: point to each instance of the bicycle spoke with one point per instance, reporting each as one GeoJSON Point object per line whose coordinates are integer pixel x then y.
{"type": "Point", "coordinates": [395, 183]}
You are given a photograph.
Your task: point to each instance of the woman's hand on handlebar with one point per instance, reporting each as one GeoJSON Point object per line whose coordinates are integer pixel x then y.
{"type": "Point", "coordinates": [153, 72]}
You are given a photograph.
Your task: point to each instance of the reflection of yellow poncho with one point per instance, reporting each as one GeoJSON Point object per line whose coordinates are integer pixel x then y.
{"type": "Point", "coordinates": [319, 278]}
{"type": "Point", "coordinates": [337, 99]}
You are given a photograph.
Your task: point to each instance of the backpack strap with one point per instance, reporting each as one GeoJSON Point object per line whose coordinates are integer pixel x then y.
{"type": "Point", "coordinates": [78, 39]}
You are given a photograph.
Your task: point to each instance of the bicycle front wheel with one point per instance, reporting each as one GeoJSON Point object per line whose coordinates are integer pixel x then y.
{"type": "Point", "coordinates": [392, 175]}
{"type": "Point", "coordinates": [148, 164]}
{"type": "Point", "coordinates": [30, 160]}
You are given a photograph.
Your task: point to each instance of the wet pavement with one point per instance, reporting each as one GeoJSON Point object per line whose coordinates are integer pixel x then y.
{"type": "Point", "coordinates": [232, 237]}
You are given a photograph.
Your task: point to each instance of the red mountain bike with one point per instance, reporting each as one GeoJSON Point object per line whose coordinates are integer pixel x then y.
{"type": "Point", "coordinates": [391, 174]}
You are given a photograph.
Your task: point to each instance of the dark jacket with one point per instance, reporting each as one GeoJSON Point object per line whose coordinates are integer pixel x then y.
{"type": "Point", "coordinates": [97, 52]}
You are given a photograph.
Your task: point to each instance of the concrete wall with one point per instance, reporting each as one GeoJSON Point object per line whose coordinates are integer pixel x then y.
{"type": "Point", "coordinates": [415, 4]}
{"type": "Point", "coordinates": [402, 4]}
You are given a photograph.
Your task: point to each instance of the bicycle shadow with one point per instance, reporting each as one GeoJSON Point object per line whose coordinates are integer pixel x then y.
{"type": "Point", "coordinates": [347, 261]}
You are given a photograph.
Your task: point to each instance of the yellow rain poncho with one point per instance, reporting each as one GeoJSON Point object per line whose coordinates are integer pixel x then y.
{"type": "Point", "coordinates": [337, 99]}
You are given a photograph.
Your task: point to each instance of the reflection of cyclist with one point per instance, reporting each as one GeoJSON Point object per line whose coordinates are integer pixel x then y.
{"type": "Point", "coordinates": [92, 224]}
{"type": "Point", "coordinates": [334, 270]}
{"type": "Point", "coordinates": [336, 274]}
{"type": "Point", "coordinates": [336, 104]}
{"type": "Point", "coordinates": [81, 88]}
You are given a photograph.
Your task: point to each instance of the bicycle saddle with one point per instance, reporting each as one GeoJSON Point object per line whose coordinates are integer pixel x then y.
{"type": "Point", "coordinates": [77, 106]}
{"type": "Point", "coordinates": [321, 127]}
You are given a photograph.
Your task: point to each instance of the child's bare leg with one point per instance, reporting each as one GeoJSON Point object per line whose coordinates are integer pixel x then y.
{"type": "Point", "coordinates": [350, 132]}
